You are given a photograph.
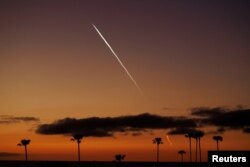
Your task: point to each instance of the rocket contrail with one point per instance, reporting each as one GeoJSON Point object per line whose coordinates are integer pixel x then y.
{"type": "Point", "coordinates": [169, 141]}
{"type": "Point", "coordinates": [130, 76]}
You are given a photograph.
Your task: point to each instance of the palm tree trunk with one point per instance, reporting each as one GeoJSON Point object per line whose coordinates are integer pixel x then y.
{"type": "Point", "coordinates": [217, 141]}
{"type": "Point", "coordinates": [190, 149]}
{"type": "Point", "coordinates": [26, 155]}
{"type": "Point", "coordinates": [200, 147]}
{"type": "Point", "coordinates": [78, 144]}
{"type": "Point", "coordinates": [181, 158]}
{"type": "Point", "coordinates": [196, 147]}
{"type": "Point", "coordinates": [157, 158]}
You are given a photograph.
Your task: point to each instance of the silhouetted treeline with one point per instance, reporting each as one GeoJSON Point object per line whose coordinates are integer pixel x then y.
{"type": "Point", "coordinates": [99, 164]}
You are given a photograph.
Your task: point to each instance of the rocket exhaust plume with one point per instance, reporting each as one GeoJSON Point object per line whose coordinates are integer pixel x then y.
{"type": "Point", "coordinates": [169, 141]}
{"type": "Point", "coordinates": [125, 69]}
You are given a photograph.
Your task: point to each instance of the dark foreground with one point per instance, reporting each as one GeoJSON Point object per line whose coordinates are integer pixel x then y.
{"type": "Point", "coordinates": [97, 164]}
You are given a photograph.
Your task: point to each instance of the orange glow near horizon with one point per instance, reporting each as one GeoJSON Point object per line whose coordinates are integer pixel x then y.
{"type": "Point", "coordinates": [136, 148]}
{"type": "Point", "coordinates": [53, 65]}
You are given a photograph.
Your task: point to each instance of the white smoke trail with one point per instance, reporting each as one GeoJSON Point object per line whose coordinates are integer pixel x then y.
{"type": "Point", "coordinates": [130, 76]}
{"type": "Point", "coordinates": [169, 141]}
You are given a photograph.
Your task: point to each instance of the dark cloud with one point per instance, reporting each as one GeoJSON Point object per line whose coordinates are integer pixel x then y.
{"type": "Point", "coordinates": [179, 131]}
{"type": "Point", "coordinates": [220, 130]}
{"type": "Point", "coordinates": [136, 133]}
{"type": "Point", "coordinates": [101, 127]}
{"type": "Point", "coordinates": [224, 119]}
{"type": "Point", "coordinates": [192, 132]}
{"type": "Point", "coordinates": [232, 119]}
{"type": "Point", "coordinates": [207, 112]}
{"type": "Point", "coordinates": [7, 154]}
{"type": "Point", "coordinates": [7, 119]}
{"type": "Point", "coordinates": [221, 118]}
{"type": "Point", "coordinates": [246, 130]}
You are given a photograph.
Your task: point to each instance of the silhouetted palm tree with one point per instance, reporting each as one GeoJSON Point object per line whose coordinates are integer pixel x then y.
{"type": "Point", "coordinates": [200, 135]}
{"type": "Point", "coordinates": [217, 139]}
{"type": "Point", "coordinates": [157, 141]}
{"type": "Point", "coordinates": [196, 147]}
{"type": "Point", "coordinates": [25, 142]}
{"type": "Point", "coordinates": [197, 135]}
{"type": "Point", "coordinates": [77, 138]}
{"type": "Point", "coordinates": [120, 157]}
{"type": "Point", "coordinates": [189, 135]}
{"type": "Point", "coordinates": [181, 152]}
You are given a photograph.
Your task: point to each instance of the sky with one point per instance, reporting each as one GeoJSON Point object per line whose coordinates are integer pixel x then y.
{"type": "Point", "coordinates": [183, 54]}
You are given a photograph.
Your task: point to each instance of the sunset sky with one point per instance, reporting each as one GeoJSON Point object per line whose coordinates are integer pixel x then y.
{"type": "Point", "coordinates": [184, 54]}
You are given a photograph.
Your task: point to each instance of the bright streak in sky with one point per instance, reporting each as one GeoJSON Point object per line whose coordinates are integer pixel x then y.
{"type": "Point", "coordinates": [169, 141]}
{"type": "Point", "coordinates": [123, 66]}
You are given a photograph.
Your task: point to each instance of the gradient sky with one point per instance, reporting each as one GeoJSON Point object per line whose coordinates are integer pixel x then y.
{"type": "Point", "coordinates": [182, 53]}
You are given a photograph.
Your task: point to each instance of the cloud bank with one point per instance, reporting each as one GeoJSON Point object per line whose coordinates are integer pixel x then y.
{"type": "Point", "coordinates": [101, 127]}
{"type": "Point", "coordinates": [221, 118]}
{"type": "Point", "coordinates": [224, 119]}
{"type": "Point", "coordinates": [8, 154]}
{"type": "Point", "coordinates": [8, 119]}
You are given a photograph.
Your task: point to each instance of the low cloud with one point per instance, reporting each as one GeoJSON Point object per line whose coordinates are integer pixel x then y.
{"type": "Point", "coordinates": [102, 127]}
{"type": "Point", "coordinates": [208, 112]}
{"type": "Point", "coordinates": [224, 119]}
{"type": "Point", "coordinates": [179, 131]}
{"type": "Point", "coordinates": [8, 119]}
{"type": "Point", "coordinates": [246, 130]}
{"type": "Point", "coordinates": [8, 154]}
